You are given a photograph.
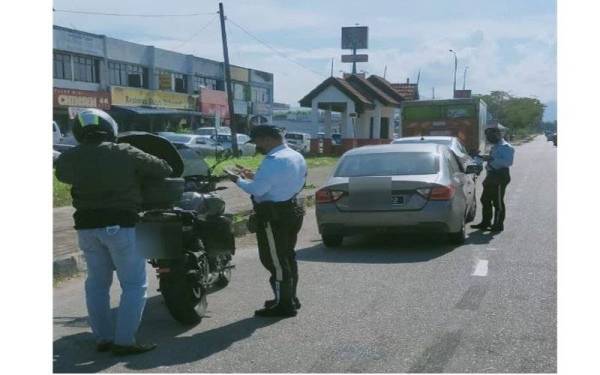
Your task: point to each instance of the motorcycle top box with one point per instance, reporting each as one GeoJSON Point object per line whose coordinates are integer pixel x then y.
{"type": "Point", "coordinates": [158, 193]}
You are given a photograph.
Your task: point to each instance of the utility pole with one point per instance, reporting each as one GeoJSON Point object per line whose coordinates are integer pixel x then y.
{"type": "Point", "coordinates": [331, 67]}
{"type": "Point", "coordinates": [433, 93]}
{"type": "Point", "coordinates": [455, 67]}
{"type": "Point", "coordinates": [384, 72]}
{"type": "Point", "coordinates": [232, 124]}
{"type": "Point", "coordinates": [465, 77]}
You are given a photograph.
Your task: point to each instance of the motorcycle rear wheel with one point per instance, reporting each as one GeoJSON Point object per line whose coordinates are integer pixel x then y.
{"type": "Point", "coordinates": [185, 297]}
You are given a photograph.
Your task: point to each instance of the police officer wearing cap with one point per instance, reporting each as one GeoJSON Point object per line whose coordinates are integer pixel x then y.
{"type": "Point", "coordinates": [497, 179]}
{"type": "Point", "coordinates": [274, 187]}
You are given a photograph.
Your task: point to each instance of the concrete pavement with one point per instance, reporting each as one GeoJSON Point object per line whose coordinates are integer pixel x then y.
{"type": "Point", "coordinates": [378, 304]}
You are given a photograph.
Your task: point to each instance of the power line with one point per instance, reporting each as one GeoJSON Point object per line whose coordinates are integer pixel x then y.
{"type": "Point", "coordinates": [130, 14]}
{"type": "Point", "coordinates": [197, 33]}
{"type": "Point", "coordinates": [274, 49]}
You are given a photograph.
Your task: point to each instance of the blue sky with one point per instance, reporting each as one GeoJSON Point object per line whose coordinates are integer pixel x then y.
{"type": "Point", "coordinates": [507, 45]}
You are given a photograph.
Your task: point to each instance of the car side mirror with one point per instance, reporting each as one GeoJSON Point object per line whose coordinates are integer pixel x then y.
{"type": "Point", "coordinates": [473, 169]}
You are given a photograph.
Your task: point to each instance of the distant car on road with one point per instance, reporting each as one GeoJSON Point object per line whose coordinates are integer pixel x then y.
{"type": "Point", "coordinates": [397, 188]}
{"type": "Point", "coordinates": [298, 141]}
{"type": "Point", "coordinates": [453, 144]}
{"type": "Point", "coordinates": [210, 131]}
{"type": "Point", "coordinates": [201, 145]}
{"type": "Point", "coordinates": [246, 147]}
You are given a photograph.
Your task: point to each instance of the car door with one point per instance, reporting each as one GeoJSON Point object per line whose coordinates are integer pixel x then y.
{"type": "Point", "coordinates": [462, 180]}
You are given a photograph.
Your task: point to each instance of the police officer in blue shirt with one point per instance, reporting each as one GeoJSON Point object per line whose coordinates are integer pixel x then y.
{"type": "Point", "coordinates": [497, 178]}
{"type": "Point", "coordinates": [274, 187]}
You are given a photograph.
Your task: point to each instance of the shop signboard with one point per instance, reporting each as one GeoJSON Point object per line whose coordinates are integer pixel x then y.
{"type": "Point", "coordinates": [135, 97]}
{"type": "Point", "coordinates": [213, 102]}
{"type": "Point", "coordinates": [239, 74]}
{"type": "Point", "coordinates": [65, 98]}
{"type": "Point", "coordinates": [164, 81]}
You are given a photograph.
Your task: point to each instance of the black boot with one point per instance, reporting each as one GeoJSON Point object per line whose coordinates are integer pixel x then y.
{"type": "Point", "coordinates": [282, 307]}
{"type": "Point", "coordinates": [482, 226]}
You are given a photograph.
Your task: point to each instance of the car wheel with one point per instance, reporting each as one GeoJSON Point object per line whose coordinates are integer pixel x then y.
{"type": "Point", "coordinates": [458, 238]}
{"type": "Point", "coordinates": [332, 240]}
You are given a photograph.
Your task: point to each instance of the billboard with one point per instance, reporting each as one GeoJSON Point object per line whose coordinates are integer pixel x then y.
{"type": "Point", "coordinates": [355, 37]}
{"type": "Point", "coordinates": [355, 58]}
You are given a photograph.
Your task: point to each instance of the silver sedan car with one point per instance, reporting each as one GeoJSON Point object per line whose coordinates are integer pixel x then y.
{"type": "Point", "coordinates": [397, 188]}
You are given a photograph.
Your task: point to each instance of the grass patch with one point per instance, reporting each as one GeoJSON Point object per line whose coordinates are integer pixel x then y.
{"type": "Point", "coordinates": [61, 193]}
{"type": "Point", "coordinates": [252, 162]}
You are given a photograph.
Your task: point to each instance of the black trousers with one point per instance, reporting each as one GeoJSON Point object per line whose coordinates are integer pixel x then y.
{"type": "Point", "coordinates": [277, 234]}
{"type": "Point", "coordinates": [492, 198]}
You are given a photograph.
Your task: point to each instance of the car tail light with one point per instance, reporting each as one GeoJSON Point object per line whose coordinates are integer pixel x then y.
{"type": "Point", "coordinates": [424, 192]}
{"type": "Point", "coordinates": [328, 196]}
{"type": "Point", "coordinates": [442, 193]}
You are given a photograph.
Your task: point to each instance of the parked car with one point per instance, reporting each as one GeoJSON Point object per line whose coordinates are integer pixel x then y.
{"type": "Point", "coordinates": [201, 145]}
{"type": "Point", "coordinates": [209, 131]}
{"type": "Point", "coordinates": [553, 138]}
{"type": "Point", "coordinates": [246, 147]}
{"type": "Point", "coordinates": [56, 134]}
{"type": "Point", "coordinates": [453, 143]}
{"type": "Point", "coordinates": [55, 155]}
{"type": "Point", "coordinates": [397, 188]}
{"type": "Point", "coordinates": [298, 141]}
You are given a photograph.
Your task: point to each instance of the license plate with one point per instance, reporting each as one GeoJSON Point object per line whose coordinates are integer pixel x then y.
{"type": "Point", "coordinates": [397, 199]}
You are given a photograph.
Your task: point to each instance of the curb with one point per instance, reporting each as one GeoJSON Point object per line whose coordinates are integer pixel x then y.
{"type": "Point", "coordinates": [74, 263]}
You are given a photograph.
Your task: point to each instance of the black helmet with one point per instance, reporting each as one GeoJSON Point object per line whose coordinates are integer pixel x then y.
{"type": "Point", "coordinates": [92, 122]}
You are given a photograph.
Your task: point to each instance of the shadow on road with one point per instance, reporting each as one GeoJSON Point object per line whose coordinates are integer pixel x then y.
{"type": "Point", "coordinates": [378, 249]}
{"type": "Point", "coordinates": [479, 237]}
{"type": "Point", "coordinates": [76, 353]}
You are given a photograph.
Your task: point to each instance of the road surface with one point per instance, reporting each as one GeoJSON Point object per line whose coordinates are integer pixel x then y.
{"type": "Point", "coordinates": [378, 304]}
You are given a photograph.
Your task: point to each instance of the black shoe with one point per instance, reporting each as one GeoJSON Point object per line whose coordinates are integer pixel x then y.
{"type": "Point", "coordinates": [480, 226]}
{"type": "Point", "coordinates": [497, 228]}
{"type": "Point", "coordinates": [270, 303]}
{"type": "Point", "coordinates": [121, 350]}
{"type": "Point", "coordinates": [277, 311]}
{"type": "Point", "coordinates": [102, 347]}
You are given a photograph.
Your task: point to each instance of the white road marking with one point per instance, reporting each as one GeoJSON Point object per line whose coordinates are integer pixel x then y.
{"type": "Point", "coordinates": [491, 249]}
{"type": "Point", "coordinates": [481, 269]}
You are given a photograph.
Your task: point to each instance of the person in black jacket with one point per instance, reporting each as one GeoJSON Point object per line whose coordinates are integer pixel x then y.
{"type": "Point", "coordinates": [105, 178]}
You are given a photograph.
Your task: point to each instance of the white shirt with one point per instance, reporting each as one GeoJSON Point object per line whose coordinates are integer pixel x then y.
{"type": "Point", "coordinates": [280, 176]}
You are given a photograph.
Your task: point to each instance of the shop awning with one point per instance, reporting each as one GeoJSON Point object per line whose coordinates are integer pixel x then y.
{"type": "Point", "coordinates": [145, 111]}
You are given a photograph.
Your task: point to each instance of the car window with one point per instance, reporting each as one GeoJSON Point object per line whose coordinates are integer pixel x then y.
{"type": "Point", "coordinates": [178, 138]}
{"type": "Point", "coordinates": [388, 164]}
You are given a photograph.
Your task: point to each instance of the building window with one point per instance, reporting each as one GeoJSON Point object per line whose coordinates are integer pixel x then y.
{"type": "Point", "coordinates": [260, 95]}
{"type": "Point", "coordinates": [85, 69]}
{"type": "Point", "coordinates": [62, 66]}
{"type": "Point", "coordinates": [122, 74]}
{"type": "Point", "coordinates": [239, 91]}
{"type": "Point", "coordinates": [200, 82]}
{"type": "Point", "coordinates": [180, 82]}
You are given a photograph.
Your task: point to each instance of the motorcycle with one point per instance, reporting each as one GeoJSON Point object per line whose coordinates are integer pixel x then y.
{"type": "Point", "coordinates": [185, 235]}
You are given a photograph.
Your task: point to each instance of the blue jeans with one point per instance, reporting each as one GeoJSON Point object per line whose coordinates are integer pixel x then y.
{"type": "Point", "coordinates": [105, 250]}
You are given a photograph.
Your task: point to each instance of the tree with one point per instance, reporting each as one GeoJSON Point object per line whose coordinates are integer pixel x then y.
{"type": "Point", "coordinates": [522, 114]}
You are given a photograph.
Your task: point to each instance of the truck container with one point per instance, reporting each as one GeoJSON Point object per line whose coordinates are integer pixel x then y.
{"type": "Point", "coordinates": [462, 118]}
